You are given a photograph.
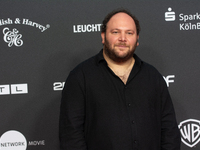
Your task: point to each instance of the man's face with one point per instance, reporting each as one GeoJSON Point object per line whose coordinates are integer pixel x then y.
{"type": "Point", "coordinates": [120, 39]}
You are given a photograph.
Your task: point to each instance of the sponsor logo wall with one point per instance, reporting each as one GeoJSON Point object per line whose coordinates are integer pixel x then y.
{"type": "Point", "coordinates": [42, 41]}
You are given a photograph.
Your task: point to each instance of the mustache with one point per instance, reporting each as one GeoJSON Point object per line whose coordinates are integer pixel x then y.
{"type": "Point", "coordinates": [121, 44]}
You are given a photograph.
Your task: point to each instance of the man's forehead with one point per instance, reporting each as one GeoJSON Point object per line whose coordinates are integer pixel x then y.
{"type": "Point", "coordinates": [121, 15]}
{"type": "Point", "coordinates": [121, 19]}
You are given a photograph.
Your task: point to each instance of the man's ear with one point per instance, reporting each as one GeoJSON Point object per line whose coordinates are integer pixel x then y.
{"type": "Point", "coordinates": [138, 40]}
{"type": "Point", "coordinates": [103, 37]}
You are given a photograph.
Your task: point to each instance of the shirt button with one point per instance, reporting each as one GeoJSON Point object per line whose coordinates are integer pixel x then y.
{"type": "Point", "coordinates": [135, 142]}
{"type": "Point", "coordinates": [129, 104]}
{"type": "Point", "coordinates": [133, 122]}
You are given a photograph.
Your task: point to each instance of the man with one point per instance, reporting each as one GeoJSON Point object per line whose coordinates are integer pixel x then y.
{"type": "Point", "coordinates": [114, 100]}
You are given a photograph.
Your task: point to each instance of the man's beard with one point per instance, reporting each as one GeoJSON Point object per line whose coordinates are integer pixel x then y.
{"type": "Point", "coordinates": [113, 55]}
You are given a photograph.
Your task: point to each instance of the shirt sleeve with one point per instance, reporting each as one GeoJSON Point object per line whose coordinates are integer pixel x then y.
{"type": "Point", "coordinates": [170, 134]}
{"type": "Point", "coordinates": [72, 113]}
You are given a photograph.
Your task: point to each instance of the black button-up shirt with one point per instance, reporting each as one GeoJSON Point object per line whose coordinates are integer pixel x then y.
{"type": "Point", "coordinates": [100, 112]}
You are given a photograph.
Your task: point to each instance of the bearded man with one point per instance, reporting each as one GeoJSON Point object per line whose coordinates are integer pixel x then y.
{"type": "Point", "coordinates": [116, 101]}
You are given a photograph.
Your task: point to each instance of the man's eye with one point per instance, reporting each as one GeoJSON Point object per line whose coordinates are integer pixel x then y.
{"type": "Point", "coordinates": [114, 32]}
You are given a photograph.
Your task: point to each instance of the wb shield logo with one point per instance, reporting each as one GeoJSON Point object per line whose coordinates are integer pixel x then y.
{"type": "Point", "coordinates": [190, 132]}
{"type": "Point", "coordinates": [170, 15]}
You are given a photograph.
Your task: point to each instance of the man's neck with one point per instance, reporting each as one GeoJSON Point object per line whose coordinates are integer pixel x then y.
{"type": "Point", "coordinates": [121, 69]}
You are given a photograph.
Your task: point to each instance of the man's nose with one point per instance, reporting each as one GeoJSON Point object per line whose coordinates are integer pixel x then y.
{"type": "Point", "coordinates": [122, 37]}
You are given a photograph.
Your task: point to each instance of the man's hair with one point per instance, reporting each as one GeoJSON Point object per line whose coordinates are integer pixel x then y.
{"type": "Point", "coordinates": [121, 10]}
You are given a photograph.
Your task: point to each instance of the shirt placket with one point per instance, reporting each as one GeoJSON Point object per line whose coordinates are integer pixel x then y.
{"type": "Point", "coordinates": [130, 109]}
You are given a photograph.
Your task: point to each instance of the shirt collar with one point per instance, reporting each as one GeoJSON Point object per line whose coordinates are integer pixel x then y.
{"type": "Point", "coordinates": [99, 57]}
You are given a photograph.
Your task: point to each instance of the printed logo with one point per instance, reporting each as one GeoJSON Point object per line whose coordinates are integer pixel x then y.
{"type": "Point", "coordinates": [170, 15]}
{"type": "Point", "coordinates": [14, 89]}
{"type": "Point", "coordinates": [58, 86]}
{"type": "Point", "coordinates": [12, 37]}
{"type": "Point", "coordinates": [169, 79]}
{"type": "Point", "coordinates": [187, 22]}
{"type": "Point", "coordinates": [190, 132]}
{"type": "Point", "coordinates": [14, 140]}
{"type": "Point", "coordinates": [86, 28]}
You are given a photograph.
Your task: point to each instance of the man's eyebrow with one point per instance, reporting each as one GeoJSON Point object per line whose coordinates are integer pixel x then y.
{"type": "Point", "coordinates": [122, 29]}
